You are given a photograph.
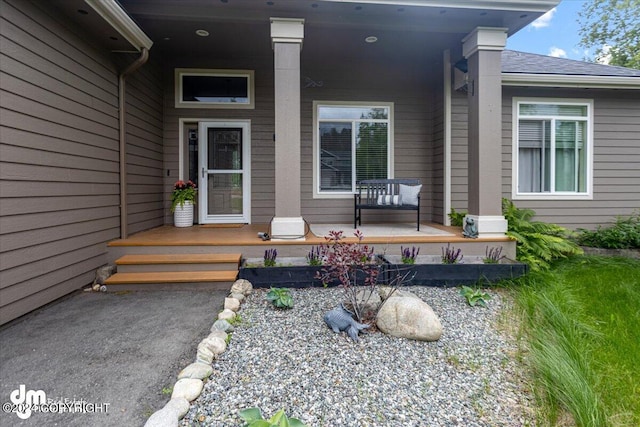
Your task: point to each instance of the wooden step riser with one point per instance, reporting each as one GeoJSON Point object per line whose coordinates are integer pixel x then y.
{"type": "Point", "coordinates": [189, 286]}
{"type": "Point", "coordinates": [147, 268]}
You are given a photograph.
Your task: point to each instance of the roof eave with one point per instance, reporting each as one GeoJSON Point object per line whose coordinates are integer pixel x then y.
{"type": "Point", "coordinates": [571, 81]}
{"type": "Point", "coordinates": [523, 5]}
{"type": "Point", "coordinates": [120, 21]}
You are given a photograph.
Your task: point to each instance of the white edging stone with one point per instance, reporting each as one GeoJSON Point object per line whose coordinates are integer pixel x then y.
{"type": "Point", "coordinates": [190, 380]}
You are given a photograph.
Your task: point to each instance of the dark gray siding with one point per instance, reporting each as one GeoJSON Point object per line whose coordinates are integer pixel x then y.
{"type": "Point", "coordinates": [59, 181]}
{"type": "Point", "coordinates": [459, 152]}
{"type": "Point", "coordinates": [616, 183]}
{"type": "Point", "coordinates": [145, 178]}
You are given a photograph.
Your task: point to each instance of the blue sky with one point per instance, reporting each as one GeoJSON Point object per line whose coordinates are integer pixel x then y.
{"type": "Point", "coordinates": [556, 33]}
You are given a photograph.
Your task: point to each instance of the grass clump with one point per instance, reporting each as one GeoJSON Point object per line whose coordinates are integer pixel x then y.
{"type": "Point", "coordinates": [581, 322]}
{"type": "Point", "coordinates": [623, 234]}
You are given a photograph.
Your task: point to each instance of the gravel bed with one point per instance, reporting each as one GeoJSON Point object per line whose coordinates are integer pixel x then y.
{"type": "Point", "coordinates": [291, 359]}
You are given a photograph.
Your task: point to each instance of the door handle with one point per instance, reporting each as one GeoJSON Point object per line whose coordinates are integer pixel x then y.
{"type": "Point", "coordinates": [203, 173]}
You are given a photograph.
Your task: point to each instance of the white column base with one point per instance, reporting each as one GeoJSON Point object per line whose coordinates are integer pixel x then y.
{"type": "Point", "coordinates": [287, 228]}
{"type": "Point", "coordinates": [489, 225]}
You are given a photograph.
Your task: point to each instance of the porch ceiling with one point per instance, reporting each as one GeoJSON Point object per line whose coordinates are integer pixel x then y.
{"type": "Point", "coordinates": [241, 27]}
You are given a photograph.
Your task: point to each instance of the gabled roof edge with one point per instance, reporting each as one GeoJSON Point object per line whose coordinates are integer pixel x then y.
{"type": "Point", "coordinates": [571, 81]}
{"type": "Point", "coordinates": [114, 15]}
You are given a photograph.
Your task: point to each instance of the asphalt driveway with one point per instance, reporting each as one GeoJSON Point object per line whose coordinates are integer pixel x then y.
{"type": "Point", "coordinates": [110, 354]}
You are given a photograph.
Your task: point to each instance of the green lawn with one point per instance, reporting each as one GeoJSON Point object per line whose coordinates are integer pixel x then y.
{"type": "Point", "coordinates": [582, 329]}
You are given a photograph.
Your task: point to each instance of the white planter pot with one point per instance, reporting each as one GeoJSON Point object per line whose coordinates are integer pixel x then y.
{"type": "Point", "coordinates": [183, 216]}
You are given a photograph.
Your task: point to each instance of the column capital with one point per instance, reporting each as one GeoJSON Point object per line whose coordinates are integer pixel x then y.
{"type": "Point", "coordinates": [484, 38]}
{"type": "Point", "coordinates": [287, 30]}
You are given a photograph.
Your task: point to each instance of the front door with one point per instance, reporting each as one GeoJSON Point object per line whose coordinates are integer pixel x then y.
{"type": "Point", "coordinates": [225, 181]}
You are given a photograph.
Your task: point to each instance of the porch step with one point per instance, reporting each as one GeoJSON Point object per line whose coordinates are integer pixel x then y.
{"type": "Point", "coordinates": [178, 262]}
{"type": "Point", "coordinates": [220, 280]}
{"type": "Point", "coordinates": [175, 271]}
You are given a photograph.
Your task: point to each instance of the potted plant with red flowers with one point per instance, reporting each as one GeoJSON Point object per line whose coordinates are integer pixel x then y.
{"type": "Point", "coordinates": [183, 199]}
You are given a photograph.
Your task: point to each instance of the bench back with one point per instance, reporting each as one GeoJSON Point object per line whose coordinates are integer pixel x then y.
{"type": "Point", "coordinates": [370, 189]}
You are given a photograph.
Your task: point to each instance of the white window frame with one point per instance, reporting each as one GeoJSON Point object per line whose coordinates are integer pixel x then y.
{"type": "Point", "coordinates": [180, 72]}
{"type": "Point", "coordinates": [588, 194]}
{"type": "Point", "coordinates": [317, 194]}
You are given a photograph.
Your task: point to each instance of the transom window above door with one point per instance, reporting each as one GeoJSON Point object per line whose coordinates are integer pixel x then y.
{"type": "Point", "coordinates": [552, 149]}
{"type": "Point", "coordinates": [352, 142]}
{"type": "Point", "coordinates": [203, 88]}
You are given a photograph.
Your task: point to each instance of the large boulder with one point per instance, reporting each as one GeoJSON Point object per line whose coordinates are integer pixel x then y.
{"type": "Point", "coordinates": [405, 315]}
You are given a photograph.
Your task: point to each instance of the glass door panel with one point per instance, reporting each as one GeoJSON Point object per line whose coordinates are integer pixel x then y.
{"type": "Point", "coordinates": [223, 156]}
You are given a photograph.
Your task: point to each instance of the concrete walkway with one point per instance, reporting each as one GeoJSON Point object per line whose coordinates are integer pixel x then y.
{"type": "Point", "coordinates": [115, 349]}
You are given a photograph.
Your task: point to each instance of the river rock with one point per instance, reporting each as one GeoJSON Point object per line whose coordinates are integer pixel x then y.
{"type": "Point", "coordinates": [405, 315]}
{"type": "Point", "coordinates": [231, 304]}
{"type": "Point", "coordinates": [242, 286]}
{"type": "Point", "coordinates": [226, 314]}
{"type": "Point", "coordinates": [189, 388]}
{"type": "Point", "coordinates": [196, 370]}
{"type": "Point", "coordinates": [222, 325]}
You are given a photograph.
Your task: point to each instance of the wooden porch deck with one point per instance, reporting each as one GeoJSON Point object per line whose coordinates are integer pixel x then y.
{"type": "Point", "coordinates": [191, 257]}
{"type": "Point", "coordinates": [244, 238]}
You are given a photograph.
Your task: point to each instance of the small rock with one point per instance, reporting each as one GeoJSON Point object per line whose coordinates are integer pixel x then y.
{"type": "Point", "coordinates": [188, 388]}
{"type": "Point", "coordinates": [179, 406]}
{"type": "Point", "coordinates": [196, 371]}
{"type": "Point", "coordinates": [237, 295]}
{"type": "Point", "coordinates": [226, 314]}
{"type": "Point", "coordinates": [231, 304]}
{"type": "Point", "coordinates": [162, 418]}
{"type": "Point", "coordinates": [222, 325]}
{"type": "Point", "coordinates": [242, 286]}
{"type": "Point", "coordinates": [103, 273]}
{"type": "Point", "coordinates": [204, 355]}
{"type": "Point", "coordinates": [217, 333]}
{"type": "Point", "coordinates": [216, 345]}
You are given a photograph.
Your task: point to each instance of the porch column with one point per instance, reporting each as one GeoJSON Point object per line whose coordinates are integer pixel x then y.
{"type": "Point", "coordinates": [483, 50]}
{"type": "Point", "coordinates": [286, 36]}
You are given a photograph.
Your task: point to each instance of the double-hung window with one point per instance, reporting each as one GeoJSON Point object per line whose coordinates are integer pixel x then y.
{"type": "Point", "coordinates": [352, 142]}
{"type": "Point", "coordinates": [552, 149]}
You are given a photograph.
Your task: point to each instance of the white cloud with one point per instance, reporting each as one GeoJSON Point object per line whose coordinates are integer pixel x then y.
{"type": "Point", "coordinates": [605, 56]}
{"type": "Point", "coordinates": [544, 20]}
{"type": "Point", "coordinates": [557, 52]}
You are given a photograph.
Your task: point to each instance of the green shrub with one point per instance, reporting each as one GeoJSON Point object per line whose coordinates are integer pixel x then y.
{"type": "Point", "coordinates": [457, 218]}
{"type": "Point", "coordinates": [253, 418]}
{"type": "Point", "coordinates": [280, 297]}
{"type": "Point", "coordinates": [538, 243]}
{"type": "Point", "coordinates": [624, 234]}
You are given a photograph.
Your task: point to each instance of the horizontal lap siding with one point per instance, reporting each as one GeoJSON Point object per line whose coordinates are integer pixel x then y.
{"type": "Point", "coordinates": [459, 151]}
{"type": "Point", "coordinates": [407, 86]}
{"type": "Point", "coordinates": [59, 158]}
{"type": "Point", "coordinates": [616, 159]}
{"type": "Point", "coordinates": [145, 178]}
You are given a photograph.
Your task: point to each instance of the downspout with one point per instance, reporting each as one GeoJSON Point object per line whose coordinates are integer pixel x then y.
{"type": "Point", "coordinates": [144, 56]}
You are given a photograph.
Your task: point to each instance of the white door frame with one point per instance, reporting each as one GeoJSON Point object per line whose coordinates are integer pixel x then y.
{"type": "Point", "coordinates": [245, 217]}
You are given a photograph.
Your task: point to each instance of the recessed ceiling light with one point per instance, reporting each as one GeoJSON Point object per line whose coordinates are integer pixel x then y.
{"type": "Point", "coordinates": [166, 39]}
{"type": "Point", "coordinates": [371, 39]}
{"type": "Point", "coordinates": [202, 33]}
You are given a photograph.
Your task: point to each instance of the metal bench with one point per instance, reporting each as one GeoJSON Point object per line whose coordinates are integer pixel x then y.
{"type": "Point", "coordinates": [370, 192]}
